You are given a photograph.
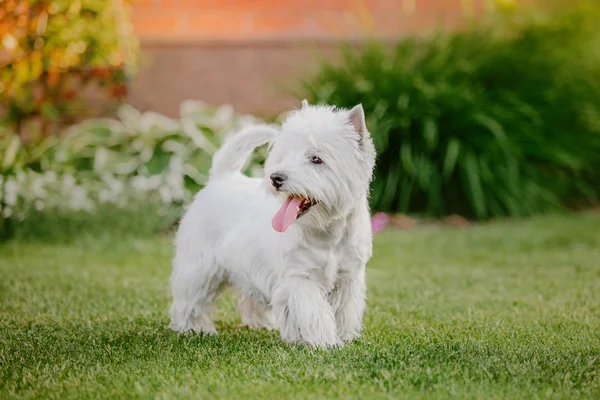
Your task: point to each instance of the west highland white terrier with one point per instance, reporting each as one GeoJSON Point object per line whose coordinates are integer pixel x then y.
{"type": "Point", "coordinates": [294, 243]}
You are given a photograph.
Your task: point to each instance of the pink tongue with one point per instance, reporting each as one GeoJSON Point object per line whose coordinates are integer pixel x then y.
{"type": "Point", "coordinates": [286, 215]}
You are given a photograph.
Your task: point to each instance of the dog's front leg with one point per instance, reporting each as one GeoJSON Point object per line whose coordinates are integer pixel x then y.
{"type": "Point", "coordinates": [303, 314]}
{"type": "Point", "coordinates": [348, 302]}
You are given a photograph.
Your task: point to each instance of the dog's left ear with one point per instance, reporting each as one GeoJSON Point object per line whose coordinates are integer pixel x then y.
{"type": "Point", "coordinates": [356, 116]}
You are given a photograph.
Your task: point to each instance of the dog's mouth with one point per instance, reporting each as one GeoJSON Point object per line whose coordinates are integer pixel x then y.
{"type": "Point", "coordinates": [293, 208]}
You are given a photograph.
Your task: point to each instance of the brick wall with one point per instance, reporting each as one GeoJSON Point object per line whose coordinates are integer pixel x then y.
{"type": "Point", "coordinates": [244, 52]}
{"type": "Point", "coordinates": [315, 19]}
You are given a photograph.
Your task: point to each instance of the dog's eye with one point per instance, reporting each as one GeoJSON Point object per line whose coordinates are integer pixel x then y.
{"type": "Point", "coordinates": [316, 160]}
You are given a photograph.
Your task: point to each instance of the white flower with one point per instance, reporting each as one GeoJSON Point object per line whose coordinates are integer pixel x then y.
{"type": "Point", "coordinates": [36, 189]}
{"type": "Point", "coordinates": [50, 176]}
{"type": "Point", "coordinates": [20, 177]}
{"type": "Point", "coordinates": [165, 195]}
{"type": "Point", "coordinates": [223, 116]}
{"type": "Point", "coordinates": [197, 136]}
{"type": "Point", "coordinates": [151, 119]}
{"type": "Point", "coordinates": [104, 196]}
{"type": "Point", "coordinates": [11, 189]}
{"type": "Point", "coordinates": [68, 182]}
{"type": "Point", "coordinates": [138, 145]}
{"type": "Point", "coordinates": [145, 154]}
{"type": "Point", "coordinates": [129, 117]}
{"type": "Point", "coordinates": [77, 200]}
{"type": "Point", "coordinates": [138, 182]}
{"type": "Point", "coordinates": [174, 146]}
{"type": "Point", "coordinates": [101, 159]}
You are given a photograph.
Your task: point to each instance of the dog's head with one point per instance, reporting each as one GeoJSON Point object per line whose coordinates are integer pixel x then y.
{"type": "Point", "coordinates": [321, 164]}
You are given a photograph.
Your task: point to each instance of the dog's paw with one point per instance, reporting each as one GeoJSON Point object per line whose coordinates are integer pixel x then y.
{"type": "Point", "coordinates": [258, 322]}
{"type": "Point", "coordinates": [198, 326]}
{"type": "Point", "coordinates": [349, 336]}
{"type": "Point", "coordinates": [257, 326]}
{"type": "Point", "coordinates": [203, 332]}
{"type": "Point", "coordinates": [322, 344]}
{"type": "Point", "coordinates": [191, 330]}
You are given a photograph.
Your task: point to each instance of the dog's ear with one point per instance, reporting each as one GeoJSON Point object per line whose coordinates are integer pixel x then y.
{"type": "Point", "coordinates": [304, 104]}
{"type": "Point", "coordinates": [356, 117]}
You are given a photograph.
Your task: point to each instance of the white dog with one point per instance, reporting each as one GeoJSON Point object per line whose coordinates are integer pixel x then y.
{"type": "Point", "coordinates": [294, 243]}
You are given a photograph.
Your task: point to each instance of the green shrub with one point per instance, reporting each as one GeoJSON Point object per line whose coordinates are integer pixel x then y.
{"type": "Point", "coordinates": [491, 121]}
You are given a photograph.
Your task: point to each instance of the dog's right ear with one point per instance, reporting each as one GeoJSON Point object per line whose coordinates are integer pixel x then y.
{"type": "Point", "coordinates": [304, 104]}
{"type": "Point", "coordinates": [356, 117]}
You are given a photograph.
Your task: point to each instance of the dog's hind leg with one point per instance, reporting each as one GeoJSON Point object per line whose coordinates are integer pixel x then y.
{"type": "Point", "coordinates": [255, 314]}
{"type": "Point", "coordinates": [195, 283]}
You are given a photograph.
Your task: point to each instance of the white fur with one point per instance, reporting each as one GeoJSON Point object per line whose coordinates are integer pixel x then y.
{"type": "Point", "coordinates": [308, 282]}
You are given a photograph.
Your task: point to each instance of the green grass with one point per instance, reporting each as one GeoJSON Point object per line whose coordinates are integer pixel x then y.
{"type": "Point", "coordinates": [504, 310]}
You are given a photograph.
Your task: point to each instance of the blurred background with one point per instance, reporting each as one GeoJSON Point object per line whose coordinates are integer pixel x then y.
{"type": "Point", "coordinates": [111, 109]}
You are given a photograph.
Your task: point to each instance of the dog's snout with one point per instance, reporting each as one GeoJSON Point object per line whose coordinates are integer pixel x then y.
{"type": "Point", "coordinates": [277, 179]}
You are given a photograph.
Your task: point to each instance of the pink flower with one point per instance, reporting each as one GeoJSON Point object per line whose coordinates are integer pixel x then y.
{"type": "Point", "coordinates": [379, 222]}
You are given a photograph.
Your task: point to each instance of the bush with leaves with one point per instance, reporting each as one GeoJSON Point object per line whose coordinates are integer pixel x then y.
{"type": "Point", "coordinates": [56, 51]}
{"type": "Point", "coordinates": [139, 161]}
{"type": "Point", "coordinates": [491, 121]}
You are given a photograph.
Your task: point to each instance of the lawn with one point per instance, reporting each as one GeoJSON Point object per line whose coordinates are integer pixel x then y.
{"type": "Point", "coordinates": [503, 310]}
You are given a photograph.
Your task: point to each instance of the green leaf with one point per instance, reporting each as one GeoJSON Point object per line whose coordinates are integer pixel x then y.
{"type": "Point", "coordinates": [474, 184]}
{"type": "Point", "coordinates": [493, 126]}
{"type": "Point", "coordinates": [191, 185]}
{"type": "Point", "coordinates": [452, 153]}
{"type": "Point", "coordinates": [406, 192]}
{"type": "Point", "coordinates": [407, 160]}
{"type": "Point", "coordinates": [430, 133]}
{"type": "Point", "coordinates": [100, 131]}
{"type": "Point", "coordinates": [389, 189]}
{"type": "Point", "coordinates": [159, 162]}
{"type": "Point", "coordinates": [10, 154]}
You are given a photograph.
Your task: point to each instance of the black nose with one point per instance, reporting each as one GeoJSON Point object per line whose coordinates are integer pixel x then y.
{"type": "Point", "coordinates": [277, 179]}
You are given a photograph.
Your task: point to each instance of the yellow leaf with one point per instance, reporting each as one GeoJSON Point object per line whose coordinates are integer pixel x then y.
{"type": "Point", "coordinates": [21, 69]}
{"type": "Point", "coordinates": [37, 66]}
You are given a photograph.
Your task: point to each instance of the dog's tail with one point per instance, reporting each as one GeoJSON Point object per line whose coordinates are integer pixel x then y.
{"type": "Point", "coordinates": [235, 152]}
